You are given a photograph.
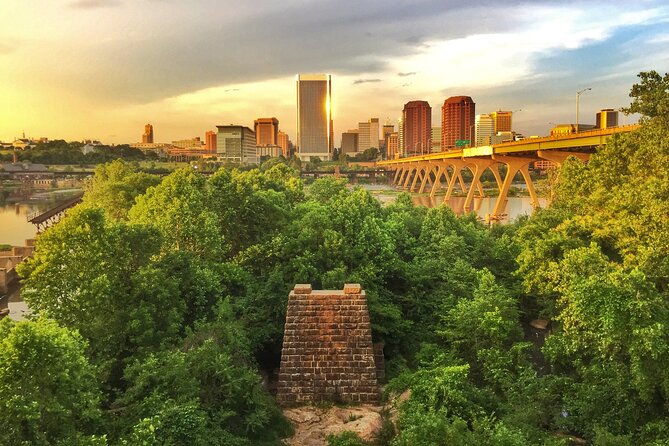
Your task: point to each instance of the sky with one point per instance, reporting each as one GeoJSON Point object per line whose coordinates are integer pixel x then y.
{"type": "Point", "coordinates": [101, 69]}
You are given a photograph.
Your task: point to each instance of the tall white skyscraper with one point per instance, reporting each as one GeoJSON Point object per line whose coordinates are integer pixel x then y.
{"type": "Point", "coordinates": [484, 129]}
{"type": "Point", "coordinates": [314, 116]}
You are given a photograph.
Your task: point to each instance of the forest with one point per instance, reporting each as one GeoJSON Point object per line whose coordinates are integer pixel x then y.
{"type": "Point", "coordinates": [161, 305]}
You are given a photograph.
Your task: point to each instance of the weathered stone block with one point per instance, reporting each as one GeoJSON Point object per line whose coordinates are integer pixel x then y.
{"type": "Point", "coordinates": [327, 350]}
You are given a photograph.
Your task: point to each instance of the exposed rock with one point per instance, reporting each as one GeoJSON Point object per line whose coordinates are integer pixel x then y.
{"type": "Point", "coordinates": [539, 324]}
{"type": "Point", "coordinates": [314, 424]}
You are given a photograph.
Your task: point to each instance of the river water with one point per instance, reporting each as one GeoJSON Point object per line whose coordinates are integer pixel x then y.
{"type": "Point", "coordinates": [17, 203]}
{"type": "Point", "coordinates": [515, 207]}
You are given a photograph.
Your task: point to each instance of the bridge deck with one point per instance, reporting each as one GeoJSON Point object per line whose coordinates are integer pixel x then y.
{"type": "Point", "coordinates": [590, 138]}
{"type": "Point", "coordinates": [44, 216]}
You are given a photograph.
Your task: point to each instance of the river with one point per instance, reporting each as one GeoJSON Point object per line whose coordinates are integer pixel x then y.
{"type": "Point", "coordinates": [515, 207]}
{"type": "Point", "coordinates": [17, 203]}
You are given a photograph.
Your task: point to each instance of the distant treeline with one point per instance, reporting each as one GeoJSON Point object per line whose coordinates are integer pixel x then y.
{"type": "Point", "coordinates": [62, 152]}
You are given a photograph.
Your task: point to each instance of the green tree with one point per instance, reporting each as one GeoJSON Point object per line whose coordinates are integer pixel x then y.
{"type": "Point", "coordinates": [179, 208]}
{"type": "Point", "coordinates": [485, 332]}
{"type": "Point", "coordinates": [651, 95]}
{"type": "Point", "coordinates": [48, 391]}
{"type": "Point", "coordinates": [115, 186]}
{"type": "Point", "coordinates": [207, 392]}
{"type": "Point", "coordinates": [596, 262]}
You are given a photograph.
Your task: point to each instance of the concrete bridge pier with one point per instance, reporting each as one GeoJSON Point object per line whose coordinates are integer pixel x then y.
{"type": "Point", "coordinates": [398, 172]}
{"type": "Point", "coordinates": [429, 167]}
{"type": "Point", "coordinates": [478, 166]}
{"type": "Point", "coordinates": [514, 165]}
{"type": "Point", "coordinates": [418, 175]}
{"type": "Point", "coordinates": [442, 170]}
{"type": "Point", "coordinates": [457, 166]}
{"type": "Point", "coordinates": [405, 183]}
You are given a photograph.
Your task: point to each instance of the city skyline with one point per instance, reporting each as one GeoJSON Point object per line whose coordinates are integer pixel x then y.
{"type": "Point", "coordinates": [102, 69]}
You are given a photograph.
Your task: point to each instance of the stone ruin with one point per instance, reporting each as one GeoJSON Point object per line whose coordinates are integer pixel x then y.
{"type": "Point", "coordinates": [327, 352]}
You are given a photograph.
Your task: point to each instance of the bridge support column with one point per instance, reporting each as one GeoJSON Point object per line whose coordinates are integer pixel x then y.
{"type": "Point", "coordinates": [442, 170]}
{"type": "Point", "coordinates": [514, 165]}
{"type": "Point", "coordinates": [429, 168]}
{"type": "Point", "coordinates": [403, 175]}
{"type": "Point", "coordinates": [405, 184]}
{"type": "Point", "coordinates": [480, 166]}
{"type": "Point", "coordinates": [419, 175]}
{"type": "Point", "coordinates": [457, 165]}
{"type": "Point", "coordinates": [398, 173]}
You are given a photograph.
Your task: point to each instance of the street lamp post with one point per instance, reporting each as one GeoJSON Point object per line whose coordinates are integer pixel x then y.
{"type": "Point", "coordinates": [578, 94]}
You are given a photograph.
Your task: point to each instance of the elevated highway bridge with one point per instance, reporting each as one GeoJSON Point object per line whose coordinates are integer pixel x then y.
{"type": "Point", "coordinates": [431, 171]}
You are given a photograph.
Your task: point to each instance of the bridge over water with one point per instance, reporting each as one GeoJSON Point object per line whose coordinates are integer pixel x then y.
{"type": "Point", "coordinates": [429, 172]}
{"type": "Point", "coordinates": [46, 218]}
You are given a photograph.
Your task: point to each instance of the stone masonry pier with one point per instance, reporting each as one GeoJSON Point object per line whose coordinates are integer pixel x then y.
{"type": "Point", "coordinates": [327, 352]}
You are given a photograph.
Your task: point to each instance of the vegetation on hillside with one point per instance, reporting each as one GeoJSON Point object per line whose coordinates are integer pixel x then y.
{"type": "Point", "coordinates": [62, 152]}
{"type": "Point", "coordinates": [161, 302]}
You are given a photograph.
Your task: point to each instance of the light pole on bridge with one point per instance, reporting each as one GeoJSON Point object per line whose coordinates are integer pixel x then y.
{"type": "Point", "coordinates": [578, 94]}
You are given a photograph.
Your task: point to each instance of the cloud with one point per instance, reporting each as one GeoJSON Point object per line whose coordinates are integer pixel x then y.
{"type": "Point", "coordinates": [184, 49]}
{"type": "Point", "coordinates": [413, 41]}
{"type": "Point", "coordinates": [94, 4]}
{"type": "Point", "coordinates": [365, 81]}
{"type": "Point", "coordinates": [164, 57]}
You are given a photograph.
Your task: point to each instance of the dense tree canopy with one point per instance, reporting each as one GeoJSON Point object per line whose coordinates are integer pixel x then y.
{"type": "Point", "coordinates": [48, 391]}
{"type": "Point", "coordinates": [170, 296]}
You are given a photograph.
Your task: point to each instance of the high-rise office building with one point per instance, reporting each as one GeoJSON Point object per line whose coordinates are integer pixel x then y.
{"type": "Point", "coordinates": [374, 133]}
{"type": "Point", "coordinates": [606, 118]}
{"type": "Point", "coordinates": [147, 137]}
{"type": "Point", "coordinates": [417, 120]}
{"type": "Point", "coordinates": [368, 134]}
{"type": "Point", "coordinates": [267, 131]}
{"type": "Point", "coordinates": [210, 141]}
{"type": "Point", "coordinates": [457, 121]}
{"type": "Point", "coordinates": [284, 143]}
{"type": "Point", "coordinates": [386, 130]}
{"type": "Point", "coordinates": [484, 128]}
{"type": "Point", "coordinates": [393, 146]}
{"type": "Point", "coordinates": [236, 143]}
{"type": "Point", "coordinates": [314, 116]}
{"type": "Point", "coordinates": [436, 139]}
{"type": "Point", "coordinates": [350, 142]}
{"type": "Point", "coordinates": [502, 121]}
